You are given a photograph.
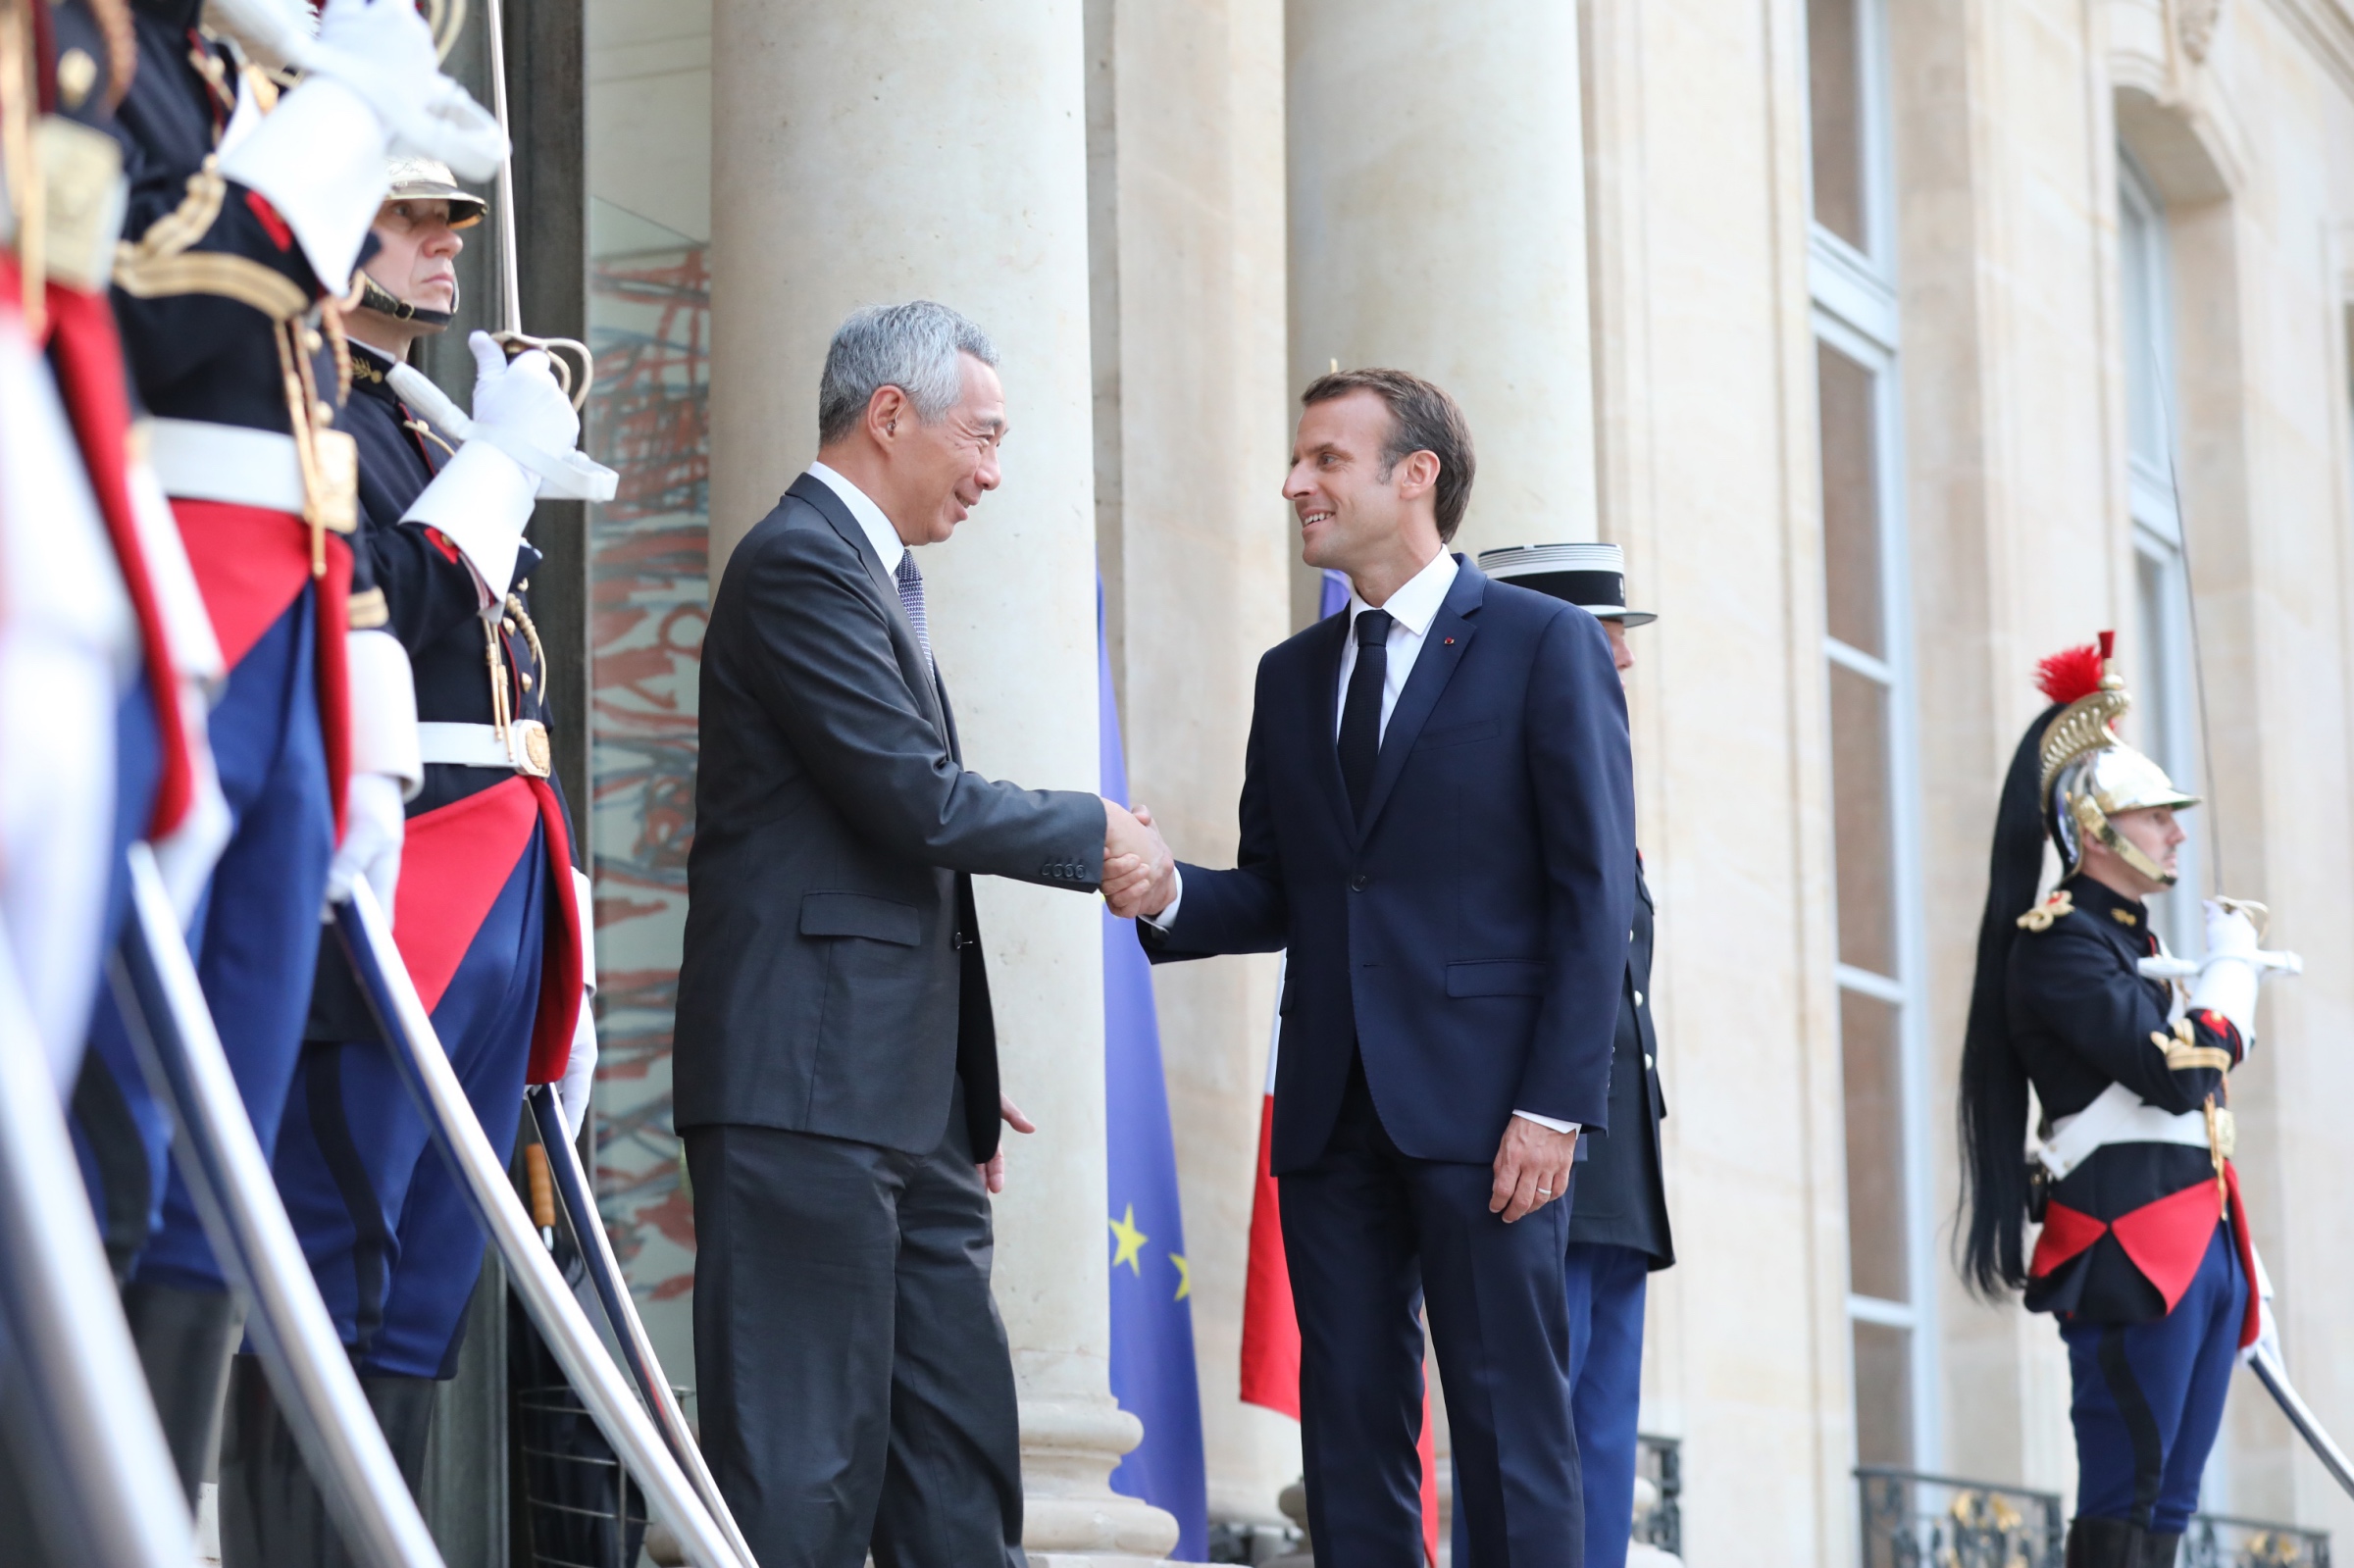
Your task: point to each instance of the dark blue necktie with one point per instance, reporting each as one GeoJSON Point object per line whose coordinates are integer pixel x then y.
{"type": "Point", "coordinates": [1360, 714]}
{"type": "Point", "coordinates": [910, 583]}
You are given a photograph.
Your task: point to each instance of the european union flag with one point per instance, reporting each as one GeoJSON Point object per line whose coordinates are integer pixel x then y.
{"type": "Point", "coordinates": [1152, 1320]}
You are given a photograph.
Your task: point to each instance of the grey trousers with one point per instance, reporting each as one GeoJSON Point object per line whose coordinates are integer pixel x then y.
{"type": "Point", "coordinates": [851, 1373]}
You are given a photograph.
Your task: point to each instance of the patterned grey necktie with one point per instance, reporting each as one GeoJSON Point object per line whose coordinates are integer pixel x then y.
{"type": "Point", "coordinates": [911, 597]}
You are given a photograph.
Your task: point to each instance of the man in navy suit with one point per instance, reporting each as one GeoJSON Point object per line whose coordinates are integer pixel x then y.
{"type": "Point", "coordinates": [1438, 823]}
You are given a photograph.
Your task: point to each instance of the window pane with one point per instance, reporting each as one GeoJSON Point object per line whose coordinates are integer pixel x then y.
{"type": "Point", "coordinates": [1883, 1395]}
{"type": "Point", "coordinates": [1862, 848]}
{"type": "Point", "coordinates": [1835, 86]}
{"type": "Point", "coordinates": [1851, 507]}
{"type": "Point", "coordinates": [1877, 1250]}
{"type": "Point", "coordinates": [2142, 316]}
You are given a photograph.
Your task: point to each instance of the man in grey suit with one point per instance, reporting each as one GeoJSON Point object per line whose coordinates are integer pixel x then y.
{"type": "Point", "coordinates": [836, 1071]}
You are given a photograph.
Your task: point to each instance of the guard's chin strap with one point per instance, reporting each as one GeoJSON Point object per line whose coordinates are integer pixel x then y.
{"type": "Point", "coordinates": [2096, 824]}
{"type": "Point", "coordinates": [376, 297]}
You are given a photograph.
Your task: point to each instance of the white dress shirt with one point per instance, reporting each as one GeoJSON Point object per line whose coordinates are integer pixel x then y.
{"type": "Point", "coordinates": [879, 532]}
{"type": "Point", "coordinates": [1412, 608]}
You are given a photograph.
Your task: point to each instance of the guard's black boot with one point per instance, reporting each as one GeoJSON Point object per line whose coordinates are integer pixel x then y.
{"type": "Point", "coordinates": [2101, 1544]}
{"type": "Point", "coordinates": [2159, 1552]}
{"type": "Point", "coordinates": [272, 1515]}
{"type": "Point", "coordinates": [404, 1408]}
{"type": "Point", "coordinates": [184, 1340]}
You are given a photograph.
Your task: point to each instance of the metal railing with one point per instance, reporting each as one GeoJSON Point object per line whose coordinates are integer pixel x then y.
{"type": "Point", "coordinates": [1916, 1520]}
{"type": "Point", "coordinates": [2219, 1541]}
{"type": "Point", "coordinates": [1661, 1462]}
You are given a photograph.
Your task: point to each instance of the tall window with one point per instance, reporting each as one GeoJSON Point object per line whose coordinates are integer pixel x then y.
{"type": "Point", "coordinates": [2165, 722]}
{"type": "Point", "coordinates": [1867, 665]}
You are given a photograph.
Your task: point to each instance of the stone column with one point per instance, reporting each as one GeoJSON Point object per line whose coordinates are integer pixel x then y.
{"type": "Point", "coordinates": [1439, 225]}
{"type": "Point", "coordinates": [943, 155]}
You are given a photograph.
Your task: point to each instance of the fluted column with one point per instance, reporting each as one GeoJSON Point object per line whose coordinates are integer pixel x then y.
{"type": "Point", "coordinates": [939, 151]}
{"type": "Point", "coordinates": [1438, 226]}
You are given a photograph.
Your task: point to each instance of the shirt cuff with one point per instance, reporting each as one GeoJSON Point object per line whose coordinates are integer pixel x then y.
{"type": "Point", "coordinates": [1168, 916]}
{"type": "Point", "coordinates": [1552, 1122]}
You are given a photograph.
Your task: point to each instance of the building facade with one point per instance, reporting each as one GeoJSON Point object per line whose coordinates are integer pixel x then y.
{"type": "Point", "coordinates": [1900, 342]}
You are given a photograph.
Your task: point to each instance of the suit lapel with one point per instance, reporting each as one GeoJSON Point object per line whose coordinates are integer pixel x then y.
{"type": "Point", "coordinates": [913, 664]}
{"type": "Point", "coordinates": [1443, 648]}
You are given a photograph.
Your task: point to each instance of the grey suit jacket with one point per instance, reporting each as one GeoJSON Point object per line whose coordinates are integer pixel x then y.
{"type": "Point", "coordinates": [833, 981]}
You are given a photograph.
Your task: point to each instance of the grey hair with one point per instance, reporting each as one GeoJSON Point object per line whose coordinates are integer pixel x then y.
{"type": "Point", "coordinates": [913, 347]}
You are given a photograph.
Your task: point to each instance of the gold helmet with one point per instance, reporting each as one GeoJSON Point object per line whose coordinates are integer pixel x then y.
{"type": "Point", "coordinates": [2089, 775]}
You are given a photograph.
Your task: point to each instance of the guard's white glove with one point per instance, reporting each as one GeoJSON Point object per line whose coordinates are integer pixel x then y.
{"type": "Point", "coordinates": [373, 827]}
{"type": "Point", "coordinates": [372, 86]}
{"type": "Point", "coordinates": [2268, 1336]}
{"type": "Point", "coordinates": [384, 51]}
{"type": "Point", "coordinates": [520, 397]}
{"type": "Point", "coordinates": [580, 1073]}
{"type": "Point", "coordinates": [482, 497]}
{"type": "Point", "coordinates": [2226, 982]}
{"type": "Point", "coordinates": [2267, 1328]}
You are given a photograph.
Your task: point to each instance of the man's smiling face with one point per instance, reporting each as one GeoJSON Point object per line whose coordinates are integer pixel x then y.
{"type": "Point", "coordinates": [1346, 499]}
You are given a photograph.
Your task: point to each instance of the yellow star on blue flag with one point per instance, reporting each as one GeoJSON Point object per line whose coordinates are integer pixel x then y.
{"type": "Point", "coordinates": [1132, 1242]}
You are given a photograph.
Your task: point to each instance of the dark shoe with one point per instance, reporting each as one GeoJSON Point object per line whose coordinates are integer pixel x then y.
{"type": "Point", "coordinates": [184, 1340]}
{"type": "Point", "coordinates": [272, 1515]}
{"type": "Point", "coordinates": [2159, 1552]}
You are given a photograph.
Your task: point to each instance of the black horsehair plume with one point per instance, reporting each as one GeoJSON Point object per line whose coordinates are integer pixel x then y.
{"type": "Point", "coordinates": [1993, 1102]}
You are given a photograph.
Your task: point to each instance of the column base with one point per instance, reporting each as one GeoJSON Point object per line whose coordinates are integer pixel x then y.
{"type": "Point", "coordinates": [1071, 1518]}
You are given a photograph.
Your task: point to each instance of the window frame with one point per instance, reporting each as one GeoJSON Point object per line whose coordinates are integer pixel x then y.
{"type": "Point", "coordinates": [1855, 312]}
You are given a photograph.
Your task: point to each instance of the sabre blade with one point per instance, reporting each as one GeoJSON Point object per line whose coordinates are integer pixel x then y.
{"type": "Point", "coordinates": [424, 1067]}
{"type": "Point", "coordinates": [628, 1331]}
{"type": "Point", "coordinates": [108, 1479]}
{"type": "Point", "coordinates": [229, 1177]}
{"type": "Point", "coordinates": [2275, 1377]}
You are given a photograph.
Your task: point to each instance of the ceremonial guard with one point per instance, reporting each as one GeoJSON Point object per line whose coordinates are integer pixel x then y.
{"type": "Point", "coordinates": [1619, 1231]}
{"type": "Point", "coordinates": [492, 916]}
{"type": "Point", "coordinates": [242, 225]}
{"type": "Point", "coordinates": [2144, 1254]}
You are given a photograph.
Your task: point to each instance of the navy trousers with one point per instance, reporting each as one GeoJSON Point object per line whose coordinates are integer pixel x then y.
{"type": "Point", "coordinates": [383, 1219]}
{"type": "Point", "coordinates": [1606, 1289]}
{"type": "Point", "coordinates": [256, 932]}
{"type": "Point", "coordinates": [1371, 1237]}
{"type": "Point", "coordinates": [2149, 1397]}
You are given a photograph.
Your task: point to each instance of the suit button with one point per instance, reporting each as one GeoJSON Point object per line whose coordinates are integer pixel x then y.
{"type": "Point", "coordinates": [1648, 1062]}
{"type": "Point", "coordinates": [1638, 998]}
{"type": "Point", "coordinates": [1357, 884]}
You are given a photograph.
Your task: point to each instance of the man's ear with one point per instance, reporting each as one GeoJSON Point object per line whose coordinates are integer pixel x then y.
{"type": "Point", "coordinates": [886, 412]}
{"type": "Point", "coordinates": [1417, 474]}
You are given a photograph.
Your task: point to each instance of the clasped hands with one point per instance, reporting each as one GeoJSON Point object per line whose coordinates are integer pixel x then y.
{"type": "Point", "coordinates": [1140, 874]}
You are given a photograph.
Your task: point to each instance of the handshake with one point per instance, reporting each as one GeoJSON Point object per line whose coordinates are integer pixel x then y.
{"type": "Point", "coordinates": [1140, 874]}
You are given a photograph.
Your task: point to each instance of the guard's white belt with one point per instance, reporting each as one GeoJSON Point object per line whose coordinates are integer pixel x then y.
{"type": "Point", "coordinates": [480, 745]}
{"type": "Point", "coordinates": [2116, 1116]}
{"type": "Point", "coordinates": [197, 461]}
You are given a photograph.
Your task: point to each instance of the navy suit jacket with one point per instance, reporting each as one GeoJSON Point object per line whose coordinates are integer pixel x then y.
{"type": "Point", "coordinates": [1470, 938]}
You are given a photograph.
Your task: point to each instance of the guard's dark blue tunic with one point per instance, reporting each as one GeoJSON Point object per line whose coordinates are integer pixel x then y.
{"type": "Point", "coordinates": [2144, 1255]}
{"type": "Point", "coordinates": [383, 1221]}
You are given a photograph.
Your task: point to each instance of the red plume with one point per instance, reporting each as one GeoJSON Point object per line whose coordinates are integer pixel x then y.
{"type": "Point", "coordinates": [2073, 673]}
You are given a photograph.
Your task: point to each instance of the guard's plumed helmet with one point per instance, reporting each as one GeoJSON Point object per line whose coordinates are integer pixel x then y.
{"type": "Point", "coordinates": [2088, 774]}
{"type": "Point", "coordinates": [420, 180]}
